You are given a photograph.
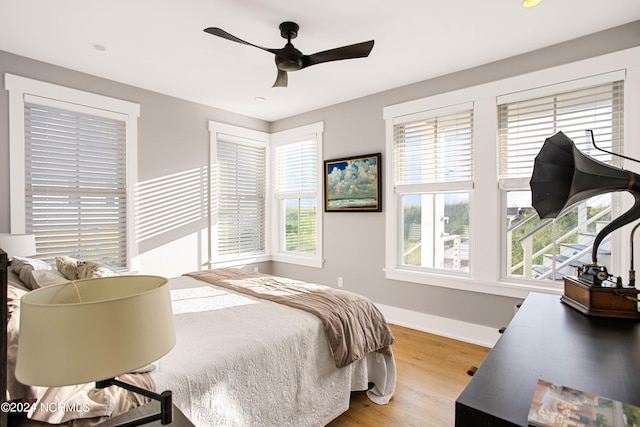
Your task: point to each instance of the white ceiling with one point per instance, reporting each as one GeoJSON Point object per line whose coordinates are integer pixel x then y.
{"type": "Point", "coordinates": [160, 44]}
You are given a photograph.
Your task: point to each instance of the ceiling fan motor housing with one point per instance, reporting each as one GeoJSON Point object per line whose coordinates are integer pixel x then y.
{"type": "Point", "coordinates": [289, 58]}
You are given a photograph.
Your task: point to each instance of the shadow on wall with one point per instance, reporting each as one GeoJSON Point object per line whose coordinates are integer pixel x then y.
{"type": "Point", "coordinates": [170, 208]}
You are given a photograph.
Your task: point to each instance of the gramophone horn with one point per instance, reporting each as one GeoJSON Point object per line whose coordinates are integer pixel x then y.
{"type": "Point", "coordinates": [563, 175]}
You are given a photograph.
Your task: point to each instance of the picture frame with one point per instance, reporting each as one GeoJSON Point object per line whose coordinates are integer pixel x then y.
{"type": "Point", "coordinates": [353, 184]}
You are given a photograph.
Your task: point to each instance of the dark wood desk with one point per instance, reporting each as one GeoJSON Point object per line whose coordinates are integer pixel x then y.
{"type": "Point", "coordinates": [550, 340]}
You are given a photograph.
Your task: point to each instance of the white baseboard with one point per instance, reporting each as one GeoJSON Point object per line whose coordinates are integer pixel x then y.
{"type": "Point", "coordinates": [450, 328]}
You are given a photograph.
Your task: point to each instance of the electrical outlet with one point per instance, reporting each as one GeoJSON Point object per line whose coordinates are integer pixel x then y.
{"type": "Point", "coordinates": [339, 282]}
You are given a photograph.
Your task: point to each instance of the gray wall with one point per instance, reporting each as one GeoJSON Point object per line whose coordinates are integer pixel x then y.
{"type": "Point", "coordinates": [173, 138]}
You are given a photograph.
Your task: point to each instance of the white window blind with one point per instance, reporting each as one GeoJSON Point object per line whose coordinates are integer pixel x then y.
{"type": "Point", "coordinates": [76, 184]}
{"type": "Point", "coordinates": [524, 125]}
{"type": "Point", "coordinates": [296, 187]}
{"type": "Point", "coordinates": [241, 197]}
{"type": "Point", "coordinates": [296, 166]}
{"type": "Point", "coordinates": [434, 150]}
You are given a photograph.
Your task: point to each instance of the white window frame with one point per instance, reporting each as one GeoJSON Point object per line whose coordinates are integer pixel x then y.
{"type": "Point", "coordinates": [311, 131]}
{"type": "Point", "coordinates": [20, 87]}
{"type": "Point", "coordinates": [438, 187]}
{"type": "Point", "coordinates": [250, 136]}
{"type": "Point", "coordinates": [487, 247]}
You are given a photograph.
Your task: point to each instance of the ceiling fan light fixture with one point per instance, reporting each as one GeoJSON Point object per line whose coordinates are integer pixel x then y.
{"type": "Point", "coordinates": [530, 3]}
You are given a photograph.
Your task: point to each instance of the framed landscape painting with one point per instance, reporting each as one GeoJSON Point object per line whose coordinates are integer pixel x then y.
{"type": "Point", "coordinates": [353, 184]}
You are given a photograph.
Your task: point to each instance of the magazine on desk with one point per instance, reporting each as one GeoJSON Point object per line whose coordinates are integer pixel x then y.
{"type": "Point", "coordinates": [555, 405]}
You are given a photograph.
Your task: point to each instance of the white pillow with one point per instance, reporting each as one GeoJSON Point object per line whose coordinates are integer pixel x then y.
{"type": "Point", "coordinates": [67, 266]}
{"type": "Point", "coordinates": [90, 270]}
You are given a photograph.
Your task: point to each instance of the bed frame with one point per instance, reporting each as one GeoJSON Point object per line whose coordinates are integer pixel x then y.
{"type": "Point", "coordinates": [4, 266]}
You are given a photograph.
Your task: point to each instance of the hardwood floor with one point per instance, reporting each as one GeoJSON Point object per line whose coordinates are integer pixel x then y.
{"type": "Point", "coordinates": [432, 372]}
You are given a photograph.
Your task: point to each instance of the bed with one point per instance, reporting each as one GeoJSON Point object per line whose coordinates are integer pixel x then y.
{"type": "Point", "coordinates": [246, 357]}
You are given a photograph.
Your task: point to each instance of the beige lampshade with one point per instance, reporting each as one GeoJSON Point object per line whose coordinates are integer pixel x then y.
{"type": "Point", "coordinates": [18, 244]}
{"type": "Point", "coordinates": [95, 330]}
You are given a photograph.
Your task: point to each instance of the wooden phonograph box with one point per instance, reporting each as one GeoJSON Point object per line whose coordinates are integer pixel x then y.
{"type": "Point", "coordinates": [596, 296]}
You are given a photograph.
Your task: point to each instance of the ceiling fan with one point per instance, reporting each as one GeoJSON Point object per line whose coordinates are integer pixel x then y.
{"type": "Point", "coordinates": [291, 59]}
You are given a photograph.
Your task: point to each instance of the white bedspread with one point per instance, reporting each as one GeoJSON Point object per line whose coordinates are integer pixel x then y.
{"type": "Point", "coordinates": [246, 362]}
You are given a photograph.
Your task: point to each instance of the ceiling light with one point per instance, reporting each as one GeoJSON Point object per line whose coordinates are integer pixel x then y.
{"type": "Point", "coordinates": [260, 99]}
{"type": "Point", "coordinates": [530, 3]}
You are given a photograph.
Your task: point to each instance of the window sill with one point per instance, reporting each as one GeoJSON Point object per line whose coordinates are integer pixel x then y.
{"type": "Point", "coordinates": [502, 288]}
{"type": "Point", "coordinates": [298, 260]}
{"type": "Point", "coordinates": [289, 259]}
{"type": "Point", "coordinates": [239, 262]}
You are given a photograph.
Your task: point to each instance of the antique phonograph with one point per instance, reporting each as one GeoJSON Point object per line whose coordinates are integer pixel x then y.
{"type": "Point", "coordinates": [563, 175]}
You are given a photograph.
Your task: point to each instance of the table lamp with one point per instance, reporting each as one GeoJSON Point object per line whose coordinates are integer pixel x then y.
{"type": "Point", "coordinates": [94, 330]}
{"type": "Point", "coordinates": [18, 244]}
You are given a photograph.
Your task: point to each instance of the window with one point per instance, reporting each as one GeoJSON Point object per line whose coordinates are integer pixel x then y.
{"type": "Point", "coordinates": [297, 192]}
{"type": "Point", "coordinates": [240, 183]}
{"type": "Point", "coordinates": [76, 184]}
{"type": "Point", "coordinates": [296, 166]}
{"type": "Point", "coordinates": [510, 120]}
{"type": "Point", "coordinates": [551, 248]}
{"type": "Point", "coordinates": [433, 179]}
{"type": "Point", "coordinates": [72, 156]}
{"type": "Point", "coordinates": [238, 189]}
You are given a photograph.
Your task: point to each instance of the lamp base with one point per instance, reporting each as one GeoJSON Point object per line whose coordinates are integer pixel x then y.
{"type": "Point", "coordinates": [601, 301]}
{"type": "Point", "coordinates": [165, 416]}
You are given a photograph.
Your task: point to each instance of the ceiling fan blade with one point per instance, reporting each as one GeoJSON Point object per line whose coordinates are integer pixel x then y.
{"type": "Point", "coordinates": [282, 79]}
{"type": "Point", "coordinates": [358, 50]}
{"type": "Point", "coordinates": [222, 33]}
